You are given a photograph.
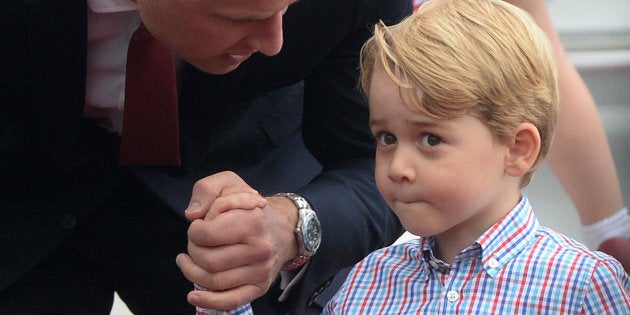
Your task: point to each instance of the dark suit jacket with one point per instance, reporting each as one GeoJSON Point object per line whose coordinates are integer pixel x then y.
{"type": "Point", "coordinates": [293, 122]}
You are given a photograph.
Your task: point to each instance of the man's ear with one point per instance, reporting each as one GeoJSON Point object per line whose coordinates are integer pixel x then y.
{"type": "Point", "coordinates": [523, 147]}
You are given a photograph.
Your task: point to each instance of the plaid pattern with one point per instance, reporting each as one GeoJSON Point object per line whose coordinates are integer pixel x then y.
{"type": "Point", "coordinates": [515, 267]}
{"type": "Point", "coordinates": [241, 310]}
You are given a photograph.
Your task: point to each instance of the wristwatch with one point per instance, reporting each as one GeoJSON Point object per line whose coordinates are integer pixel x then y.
{"type": "Point", "coordinates": [308, 231]}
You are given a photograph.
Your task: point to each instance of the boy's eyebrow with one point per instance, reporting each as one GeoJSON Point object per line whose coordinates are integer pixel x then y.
{"type": "Point", "coordinates": [375, 122]}
{"type": "Point", "coordinates": [415, 122]}
{"type": "Point", "coordinates": [423, 123]}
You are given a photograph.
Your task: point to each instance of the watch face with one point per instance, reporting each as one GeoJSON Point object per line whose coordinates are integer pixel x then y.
{"type": "Point", "coordinates": [312, 234]}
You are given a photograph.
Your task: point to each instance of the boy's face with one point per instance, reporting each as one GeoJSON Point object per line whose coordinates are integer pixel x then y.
{"type": "Point", "coordinates": [441, 177]}
{"type": "Point", "coordinates": [216, 35]}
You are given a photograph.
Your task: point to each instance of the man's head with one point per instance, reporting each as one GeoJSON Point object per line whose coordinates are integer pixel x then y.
{"type": "Point", "coordinates": [484, 58]}
{"type": "Point", "coordinates": [216, 35]}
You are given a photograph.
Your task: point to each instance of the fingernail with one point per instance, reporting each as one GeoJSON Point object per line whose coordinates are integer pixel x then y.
{"type": "Point", "coordinates": [194, 299]}
{"type": "Point", "coordinates": [193, 207]}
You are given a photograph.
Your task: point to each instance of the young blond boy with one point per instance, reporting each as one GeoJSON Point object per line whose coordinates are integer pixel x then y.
{"type": "Point", "coordinates": [463, 104]}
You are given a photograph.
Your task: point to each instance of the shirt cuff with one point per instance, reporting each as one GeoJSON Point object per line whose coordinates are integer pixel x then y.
{"type": "Point", "coordinates": [289, 279]}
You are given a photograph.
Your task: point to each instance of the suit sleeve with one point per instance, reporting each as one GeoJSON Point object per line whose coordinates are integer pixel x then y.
{"type": "Point", "coordinates": [355, 219]}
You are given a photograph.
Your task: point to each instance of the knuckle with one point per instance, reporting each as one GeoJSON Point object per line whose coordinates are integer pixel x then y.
{"type": "Point", "coordinates": [267, 250]}
{"type": "Point", "coordinates": [256, 218]}
{"type": "Point", "coordinates": [222, 203]}
{"type": "Point", "coordinates": [227, 173]}
{"type": "Point", "coordinates": [203, 184]}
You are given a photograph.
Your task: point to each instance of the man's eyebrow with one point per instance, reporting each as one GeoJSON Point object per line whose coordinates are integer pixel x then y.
{"type": "Point", "coordinates": [258, 17]}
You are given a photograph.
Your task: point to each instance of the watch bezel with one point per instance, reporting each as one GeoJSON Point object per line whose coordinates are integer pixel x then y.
{"type": "Point", "coordinates": [306, 215]}
{"type": "Point", "coordinates": [310, 245]}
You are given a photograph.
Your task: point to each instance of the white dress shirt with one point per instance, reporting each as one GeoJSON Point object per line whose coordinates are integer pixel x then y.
{"type": "Point", "coordinates": [110, 26]}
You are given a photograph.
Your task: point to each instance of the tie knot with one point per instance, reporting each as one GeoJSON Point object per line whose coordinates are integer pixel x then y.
{"type": "Point", "coordinates": [142, 33]}
{"type": "Point", "coordinates": [142, 39]}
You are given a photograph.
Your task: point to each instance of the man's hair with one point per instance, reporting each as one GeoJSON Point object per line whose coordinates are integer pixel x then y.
{"type": "Point", "coordinates": [485, 58]}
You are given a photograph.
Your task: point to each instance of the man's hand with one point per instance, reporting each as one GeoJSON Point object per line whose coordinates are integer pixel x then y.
{"type": "Point", "coordinates": [207, 190]}
{"type": "Point", "coordinates": [238, 249]}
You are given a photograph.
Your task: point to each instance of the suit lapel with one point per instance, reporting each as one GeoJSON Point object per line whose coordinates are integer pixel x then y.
{"type": "Point", "coordinates": [207, 105]}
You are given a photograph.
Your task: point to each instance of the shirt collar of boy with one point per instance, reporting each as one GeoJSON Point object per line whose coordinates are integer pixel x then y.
{"type": "Point", "coordinates": [508, 237]}
{"type": "Point", "coordinates": [497, 246]}
{"type": "Point", "coordinates": [434, 263]}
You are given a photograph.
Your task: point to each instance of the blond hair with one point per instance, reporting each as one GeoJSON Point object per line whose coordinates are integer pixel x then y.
{"type": "Point", "coordinates": [485, 58]}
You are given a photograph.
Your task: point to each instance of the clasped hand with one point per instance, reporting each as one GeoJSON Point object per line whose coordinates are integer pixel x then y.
{"type": "Point", "coordinates": [237, 241]}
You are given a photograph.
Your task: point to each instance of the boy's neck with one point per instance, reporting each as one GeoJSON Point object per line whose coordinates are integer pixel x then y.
{"type": "Point", "coordinates": [447, 246]}
{"type": "Point", "coordinates": [452, 242]}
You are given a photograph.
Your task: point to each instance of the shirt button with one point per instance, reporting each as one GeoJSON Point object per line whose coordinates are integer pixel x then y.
{"type": "Point", "coordinates": [452, 296]}
{"type": "Point", "coordinates": [311, 300]}
{"type": "Point", "coordinates": [493, 263]}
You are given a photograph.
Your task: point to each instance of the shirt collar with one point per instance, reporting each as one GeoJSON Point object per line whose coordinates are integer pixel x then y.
{"type": "Point", "coordinates": [109, 6]}
{"type": "Point", "coordinates": [499, 244]}
{"type": "Point", "coordinates": [508, 237]}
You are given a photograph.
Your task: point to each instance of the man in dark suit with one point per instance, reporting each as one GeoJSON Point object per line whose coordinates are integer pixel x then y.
{"type": "Point", "coordinates": [75, 226]}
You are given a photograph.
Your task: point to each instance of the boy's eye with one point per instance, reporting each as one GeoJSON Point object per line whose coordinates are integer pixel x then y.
{"type": "Point", "coordinates": [386, 139]}
{"type": "Point", "coordinates": [430, 140]}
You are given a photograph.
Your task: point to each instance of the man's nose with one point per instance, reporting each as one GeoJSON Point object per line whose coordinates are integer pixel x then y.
{"type": "Point", "coordinates": [266, 36]}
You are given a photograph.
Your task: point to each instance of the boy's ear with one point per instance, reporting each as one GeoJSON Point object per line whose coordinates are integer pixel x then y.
{"type": "Point", "coordinates": [523, 147]}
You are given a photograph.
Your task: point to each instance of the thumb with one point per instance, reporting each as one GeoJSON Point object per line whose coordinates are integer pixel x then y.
{"type": "Point", "coordinates": [208, 189]}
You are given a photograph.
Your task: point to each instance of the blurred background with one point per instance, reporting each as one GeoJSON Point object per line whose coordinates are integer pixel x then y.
{"type": "Point", "coordinates": [597, 38]}
{"type": "Point", "coordinates": [596, 35]}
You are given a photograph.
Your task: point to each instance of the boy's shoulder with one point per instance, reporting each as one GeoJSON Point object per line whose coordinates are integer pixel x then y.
{"type": "Point", "coordinates": [560, 243]}
{"type": "Point", "coordinates": [553, 248]}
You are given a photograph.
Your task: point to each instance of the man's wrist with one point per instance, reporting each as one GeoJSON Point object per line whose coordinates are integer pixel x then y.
{"type": "Point", "coordinates": [286, 227]}
{"type": "Point", "coordinates": [307, 231]}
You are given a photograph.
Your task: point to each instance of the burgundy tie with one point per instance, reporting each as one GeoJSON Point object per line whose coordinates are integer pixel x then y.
{"type": "Point", "coordinates": [150, 132]}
